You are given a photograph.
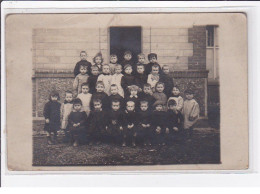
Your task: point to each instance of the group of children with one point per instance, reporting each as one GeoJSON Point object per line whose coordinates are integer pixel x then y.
{"type": "Point", "coordinates": [121, 103]}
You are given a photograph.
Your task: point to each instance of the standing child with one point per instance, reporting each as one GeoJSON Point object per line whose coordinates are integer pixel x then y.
{"type": "Point", "coordinates": [166, 78]}
{"type": "Point", "coordinates": [154, 76]}
{"type": "Point", "coordinates": [83, 61]}
{"type": "Point", "coordinates": [159, 123]}
{"type": "Point", "coordinates": [98, 61]}
{"type": "Point", "coordinates": [141, 77]}
{"type": "Point", "coordinates": [144, 129]}
{"type": "Point", "coordinates": [98, 122]}
{"type": "Point", "coordinates": [127, 59]}
{"type": "Point", "coordinates": [191, 112]}
{"type": "Point", "coordinates": [92, 80]}
{"type": "Point", "coordinates": [100, 94]}
{"type": "Point", "coordinates": [174, 119]}
{"type": "Point", "coordinates": [115, 96]}
{"type": "Point", "coordinates": [152, 57]}
{"type": "Point", "coordinates": [77, 123]}
{"type": "Point", "coordinates": [113, 63]}
{"type": "Point", "coordinates": [115, 119]}
{"type": "Point", "coordinates": [117, 78]}
{"type": "Point", "coordinates": [130, 122]}
{"type": "Point", "coordinates": [147, 95]}
{"type": "Point", "coordinates": [66, 108]}
{"type": "Point", "coordinates": [177, 97]}
{"type": "Point", "coordinates": [159, 95]}
{"type": "Point", "coordinates": [106, 78]}
{"type": "Point", "coordinates": [85, 97]}
{"type": "Point", "coordinates": [52, 117]}
{"type": "Point", "coordinates": [128, 79]}
{"type": "Point", "coordinates": [79, 79]}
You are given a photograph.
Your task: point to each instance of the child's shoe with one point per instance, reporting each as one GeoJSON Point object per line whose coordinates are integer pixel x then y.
{"type": "Point", "coordinates": [49, 140]}
{"type": "Point", "coordinates": [75, 144]}
{"type": "Point", "coordinates": [123, 144]}
{"type": "Point", "coordinates": [133, 144]}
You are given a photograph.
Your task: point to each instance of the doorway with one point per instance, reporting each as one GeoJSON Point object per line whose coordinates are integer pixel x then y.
{"type": "Point", "coordinates": [123, 39]}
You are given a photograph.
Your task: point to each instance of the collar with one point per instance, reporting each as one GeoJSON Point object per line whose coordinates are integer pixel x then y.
{"type": "Point", "coordinates": [98, 110]}
{"type": "Point", "coordinates": [131, 96]}
{"type": "Point", "coordinates": [106, 73]}
{"type": "Point", "coordinates": [129, 112]}
{"type": "Point", "coordinates": [175, 95]}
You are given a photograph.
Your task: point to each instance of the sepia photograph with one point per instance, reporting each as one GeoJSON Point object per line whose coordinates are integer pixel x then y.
{"type": "Point", "coordinates": [127, 89]}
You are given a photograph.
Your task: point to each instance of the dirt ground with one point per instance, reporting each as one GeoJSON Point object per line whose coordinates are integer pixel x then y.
{"type": "Point", "coordinates": [203, 148]}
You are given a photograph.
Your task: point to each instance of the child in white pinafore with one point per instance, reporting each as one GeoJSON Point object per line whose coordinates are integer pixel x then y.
{"type": "Point", "coordinates": [66, 109]}
{"type": "Point", "coordinates": [116, 79]}
{"type": "Point", "coordinates": [106, 78]}
{"type": "Point", "coordinates": [190, 112]}
{"type": "Point", "coordinates": [85, 98]}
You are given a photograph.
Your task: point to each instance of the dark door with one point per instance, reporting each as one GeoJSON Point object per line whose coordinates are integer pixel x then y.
{"type": "Point", "coordinates": [123, 39]}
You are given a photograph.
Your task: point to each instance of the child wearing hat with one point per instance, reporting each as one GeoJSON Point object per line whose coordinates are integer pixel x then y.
{"type": "Point", "coordinates": [190, 112]}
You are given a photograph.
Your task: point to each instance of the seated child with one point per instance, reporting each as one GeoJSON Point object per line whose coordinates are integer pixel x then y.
{"type": "Point", "coordinates": [100, 94]}
{"type": "Point", "coordinates": [51, 114]}
{"type": "Point", "coordinates": [66, 108]}
{"type": "Point", "coordinates": [141, 77]}
{"type": "Point", "coordinates": [115, 96]}
{"type": "Point", "coordinates": [79, 79]}
{"type": "Point", "coordinates": [97, 122]}
{"type": "Point", "coordinates": [154, 76]}
{"type": "Point", "coordinates": [114, 126]}
{"type": "Point", "coordinates": [159, 95]}
{"type": "Point", "coordinates": [127, 59]}
{"type": "Point", "coordinates": [85, 98]}
{"type": "Point", "coordinates": [152, 57]}
{"type": "Point", "coordinates": [174, 119]}
{"type": "Point", "coordinates": [159, 123]}
{"type": "Point", "coordinates": [176, 96]}
{"type": "Point", "coordinates": [144, 129]}
{"type": "Point", "coordinates": [98, 61]}
{"type": "Point", "coordinates": [106, 78]}
{"type": "Point", "coordinates": [147, 95]}
{"type": "Point", "coordinates": [191, 112]}
{"type": "Point", "coordinates": [113, 63]}
{"type": "Point", "coordinates": [130, 121]}
{"type": "Point", "coordinates": [77, 123]}
{"type": "Point", "coordinates": [92, 80]}
{"type": "Point", "coordinates": [167, 79]}
{"type": "Point", "coordinates": [133, 96]}
{"type": "Point", "coordinates": [83, 61]}
{"type": "Point", "coordinates": [128, 79]}
{"type": "Point", "coordinates": [117, 78]}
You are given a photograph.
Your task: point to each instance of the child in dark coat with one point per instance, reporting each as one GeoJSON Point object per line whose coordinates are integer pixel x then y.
{"type": "Point", "coordinates": [133, 96]}
{"type": "Point", "coordinates": [147, 95]}
{"type": "Point", "coordinates": [130, 122]}
{"type": "Point", "coordinates": [92, 80]}
{"type": "Point", "coordinates": [152, 57]}
{"type": "Point", "coordinates": [115, 96]}
{"type": "Point", "coordinates": [166, 78]}
{"type": "Point", "coordinates": [144, 127]}
{"type": "Point", "coordinates": [97, 122]}
{"type": "Point", "coordinates": [174, 120]}
{"type": "Point", "coordinates": [128, 79]}
{"type": "Point", "coordinates": [159, 94]}
{"type": "Point", "coordinates": [52, 117]}
{"type": "Point", "coordinates": [159, 123]}
{"type": "Point", "coordinates": [98, 61]}
{"type": "Point", "coordinates": [114, 126]}
{"type": "Point", "coordinates": [100, 94]}
{"type": "Point", "coordinates": [83, 61]}
{"type": "Point", "coordinates": [77, 123]}
{"type": "Point", "coordinates": [141, 77]}
{"type": "Point", "coordinates": [127, 59]}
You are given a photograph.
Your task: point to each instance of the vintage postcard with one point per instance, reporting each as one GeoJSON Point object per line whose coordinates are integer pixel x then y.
{"type": "Point", "coordinates": [122, 91]}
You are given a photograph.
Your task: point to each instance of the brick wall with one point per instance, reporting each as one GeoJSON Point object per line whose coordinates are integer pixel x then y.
{"type": "Point", "coordinates": [171, 46]}
{"type": "Point", "coordinates": [197, 36]}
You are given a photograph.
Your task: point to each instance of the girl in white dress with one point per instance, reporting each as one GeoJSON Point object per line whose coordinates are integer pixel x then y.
{"type": "Point", "coordinates": [116, 79]}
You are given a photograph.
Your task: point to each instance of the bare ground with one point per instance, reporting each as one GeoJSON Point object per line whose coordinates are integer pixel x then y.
{"type": "Point", "coordinates": [203, 148]}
